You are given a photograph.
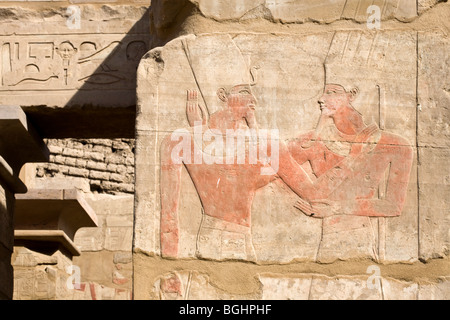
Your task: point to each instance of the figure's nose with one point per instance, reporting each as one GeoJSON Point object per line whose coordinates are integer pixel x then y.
{"type": "Point", "coordinates": [321, 100]}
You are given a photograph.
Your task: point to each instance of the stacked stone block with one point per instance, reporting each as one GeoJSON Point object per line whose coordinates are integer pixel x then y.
{"type": "Point", "coordinates": [107, 165]}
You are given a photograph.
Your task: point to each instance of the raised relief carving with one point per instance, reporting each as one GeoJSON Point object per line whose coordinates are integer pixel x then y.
{"type": "Point", "coordinates": [30, 58]}
{"type": "Point", "coordinates": [103, 62]}
{"type": "Point", "coordinates": [66, 51]}
{"type": "Point", "coordinates": [135, 51]}
{"type": "Point", "coordinates": [358, 171]}
{"type": "Point", "coordinates": [69, 63]}
{"type": "Point", "coordinates": [358, 187]}
{"type": "Point", "coordinates": [225, 188]}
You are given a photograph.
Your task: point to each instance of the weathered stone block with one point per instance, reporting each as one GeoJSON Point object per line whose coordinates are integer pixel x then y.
{"type": "Point", "coordinates": [116, 177]}
{"type": "Point", "coordinates": [436, 291]}
{"type": "Point", "coordinates": [101, 166]}
{"type": "Point", "coordinates": [55, 149]}
{"type": "Point", "coordinates": [99, 175]}
{"type": "Point", "coordinates": [97, 156]}
{"type": "Point", "coordinates": [76, 153]}
{"type": "Point", "coordinates": [118, 238]}
{"type": "Point", "coordinates": [274, 288]}
{"type": "Point", "coordinates": [118, 221]}
{"type": "Point", "coordinates": [77, 172]}
{"type": "Point", "coordinates": [433, 90]}
{"type": "Point", "coordinates": [90, 239]}
{"type": "Point", "coordinates": [300, 11]}
{"type": "Point", "coordinates": [434, 203]}
{"type": "Point", "coordinates": [70, 162]}
{"type": "Point", "coordinates": [123, 257]}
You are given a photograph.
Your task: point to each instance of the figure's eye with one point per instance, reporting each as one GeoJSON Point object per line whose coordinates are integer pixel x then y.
{"type": "Point", "coordinates": [244, 91]}
{"type": "Point", "coordinates": [331, 92]}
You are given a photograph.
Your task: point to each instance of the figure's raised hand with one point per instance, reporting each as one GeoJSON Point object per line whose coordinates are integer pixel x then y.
{"type": "Point", "coordinates": [192, 108]}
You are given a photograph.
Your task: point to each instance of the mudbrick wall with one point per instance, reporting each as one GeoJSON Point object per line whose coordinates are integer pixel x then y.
{"type": "Point", "coordinates": [107, 165]}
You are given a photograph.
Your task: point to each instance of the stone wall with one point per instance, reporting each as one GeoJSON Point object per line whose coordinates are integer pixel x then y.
{"type": "Point", "coordinates": [107, 166]}
{"type": "Point", "coordinates": [324, 225]}
{"type": "Point", "coordinates": [356, 207]}
{"type": "Point", "coordinates": [101, 272]}
{"type": "Point", "coordinates": [103, 170]}
{"type": "Point", "coordinates": [106, 259]}
{"type": "Point", "coordinates": [71, 65]}
{"type": "Point", "coordinates": [15, 130]}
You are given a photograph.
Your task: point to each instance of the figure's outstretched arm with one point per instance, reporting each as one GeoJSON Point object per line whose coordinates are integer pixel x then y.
{"type": "Point", "coordinates": [291, 172]}
{"type": "Point", "coordinates": [391, 205]}
{"type": "Point", "coordinates": [170, 194]}
{"type": "Point", "coordinates": [331, 180]}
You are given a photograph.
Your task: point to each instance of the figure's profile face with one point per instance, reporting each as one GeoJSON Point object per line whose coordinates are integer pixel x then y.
{"type": "Point", "coordinates": [333, 98]}
{"type": "Point", "coordinates": [241, 101]}
{"type": "Point", "coordinates": [66, 50]}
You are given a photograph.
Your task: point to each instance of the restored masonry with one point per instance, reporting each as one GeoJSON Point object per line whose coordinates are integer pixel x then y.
{"type": "Point", "coordinates": [100, 200]}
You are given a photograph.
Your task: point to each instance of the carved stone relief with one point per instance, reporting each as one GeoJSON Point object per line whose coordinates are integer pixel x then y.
{"type": "Point", "coordinates": [69, 62]}
{"type": "Point", "coordinates": [33, 63]}
{"type": "Point", "coordinates": [340, 110]}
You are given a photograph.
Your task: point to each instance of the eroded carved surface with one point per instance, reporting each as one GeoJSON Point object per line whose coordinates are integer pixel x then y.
{"type": "Point", "coordinates": [301, 11]}
{"type": "Point", "coordinates": [192, 285]}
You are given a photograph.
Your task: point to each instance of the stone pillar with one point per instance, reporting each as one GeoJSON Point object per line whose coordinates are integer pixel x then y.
{"type": "Point", "coordinates": [19, 144]}
{"type": "Point", "coordinates": [45, 224]}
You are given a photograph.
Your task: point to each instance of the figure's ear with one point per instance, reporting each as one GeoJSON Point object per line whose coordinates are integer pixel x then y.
{"type": "Point", "coordinates": [353, 93]}
{"type": "Point", "coordinates": [222, 94]}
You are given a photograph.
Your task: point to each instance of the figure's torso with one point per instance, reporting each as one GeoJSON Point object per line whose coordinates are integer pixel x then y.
{"type": "Point", "coordinates": [227, 190]}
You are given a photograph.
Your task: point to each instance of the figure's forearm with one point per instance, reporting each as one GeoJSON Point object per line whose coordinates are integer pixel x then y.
{"type": "Point", "coordinates": [328, 182]}
{"type": "Point", "coordinates": [291, 172]}
{"type": "Point", "coordinates": [370, 208]}
{"type": "Point", "coordinates": [169, 241]}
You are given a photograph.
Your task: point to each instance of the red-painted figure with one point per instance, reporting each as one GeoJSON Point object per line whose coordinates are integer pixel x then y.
{"type": "Point", "coordinates": [349, 162]}
{"type": "Point", "coordinates": [226, 190]}
{"type": "Point", "coordinates": [373, 183]}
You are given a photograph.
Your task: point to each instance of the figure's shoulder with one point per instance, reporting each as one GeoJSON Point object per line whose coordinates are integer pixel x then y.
{"type": "Point", "coordinates": [394, 139]}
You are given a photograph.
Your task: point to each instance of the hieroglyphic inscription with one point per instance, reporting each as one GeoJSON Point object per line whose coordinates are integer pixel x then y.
{"type": "Point", "coordinates": [69, 62]}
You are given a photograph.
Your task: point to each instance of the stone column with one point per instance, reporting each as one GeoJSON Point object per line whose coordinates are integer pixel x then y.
{"type": "Point", "coordinates": [19, 144]}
